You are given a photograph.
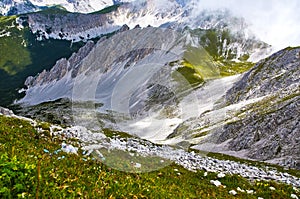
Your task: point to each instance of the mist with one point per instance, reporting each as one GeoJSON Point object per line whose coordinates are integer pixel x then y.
{"type": "Point", "coordinates": [276, 22]}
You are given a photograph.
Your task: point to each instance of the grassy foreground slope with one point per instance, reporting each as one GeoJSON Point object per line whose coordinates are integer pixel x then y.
{"type": "Point", "coordinates": [27, 170]}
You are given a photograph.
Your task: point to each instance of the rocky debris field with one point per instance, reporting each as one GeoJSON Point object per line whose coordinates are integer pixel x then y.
{"type": "Point", "coordinates": [93, 142]}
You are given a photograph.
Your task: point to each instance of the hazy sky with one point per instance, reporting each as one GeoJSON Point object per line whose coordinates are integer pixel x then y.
{"type": "Point", "coordinates": [276, 22]}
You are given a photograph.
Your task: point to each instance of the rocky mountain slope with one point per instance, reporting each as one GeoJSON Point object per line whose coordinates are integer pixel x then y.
{"type": "Point", "coordinates": [11, 7]}
{"type": "Point", "coordinates": [136, 75]}
{"type": "Point", "coordinates": [268, 128]}
{"type": "Point", "coordinates": [271, 131]}
{"type": "Point", "coordinates": [208, 54]}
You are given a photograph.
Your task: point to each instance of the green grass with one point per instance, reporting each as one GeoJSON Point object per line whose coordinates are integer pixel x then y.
{"type": "Point", "coordinates": [196, 73]}
{"type": "Point", "coordinates": [230, 68]}
{"type": "Point", "coordinates": [201, 64]}
{"type": "Point", "coordinates": [213, 60]}
{"type": "Point", "coordinates": [54, 10]}
{"type": "Point", "coordinates": [291, 96]}
{"type": "Point", "coordinates": [190, 75]}
{"type": "Point", "coordinates": [27, 170]}
{"type": "Point", "coordinates": [111, 133]}
{"type": "Point", "coordinates": [14, 54]}
{"type": "Point", "coordinates": [107, 9]}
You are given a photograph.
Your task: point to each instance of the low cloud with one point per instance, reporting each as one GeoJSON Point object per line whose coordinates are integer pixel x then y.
{"type": "Point", "coordinates": [276, 22]}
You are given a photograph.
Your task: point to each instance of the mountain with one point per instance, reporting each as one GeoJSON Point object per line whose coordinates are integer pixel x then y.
{"type": "Point", "coordinates": [201, 57]}
{"type": "Point", "coordinates": [161, 71]}
{"type": "Point", "coordinates": [155, 67]}
{"type": "Point", "coordinates": [226, 31]}
{"type": "Point", "coordinates": [13, 7]}
{"type": "Point", "coordinates": [59, 24]}
{"type": "Point", "coordinates": [28, 39]}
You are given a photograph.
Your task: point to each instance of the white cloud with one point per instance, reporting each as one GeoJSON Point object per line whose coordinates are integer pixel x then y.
{"type": "Point", "coordinates": [276, 22]}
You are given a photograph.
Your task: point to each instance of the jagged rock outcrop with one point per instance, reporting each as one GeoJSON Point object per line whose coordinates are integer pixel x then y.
{"type": "Point", "coordinates": [61, 67]}
{"type": "Point", "coordinates": [269, 133]}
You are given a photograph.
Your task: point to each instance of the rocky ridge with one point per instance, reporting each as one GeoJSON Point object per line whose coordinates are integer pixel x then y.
{"type": "Point", "coordinates": [70, 26]}
{"type": "Point", "coordinates": [61, 67]}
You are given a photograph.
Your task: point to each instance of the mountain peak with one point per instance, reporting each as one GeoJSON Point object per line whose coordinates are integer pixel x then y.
{"type": "Point", "coordinates": [13, 7]}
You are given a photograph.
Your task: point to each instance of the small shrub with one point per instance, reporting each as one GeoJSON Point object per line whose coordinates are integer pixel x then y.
{"type": "Point", "coordinates": [16, 178]}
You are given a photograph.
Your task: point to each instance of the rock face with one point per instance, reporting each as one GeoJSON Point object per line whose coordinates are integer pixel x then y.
{"type": "Point", "coordinates": [70, 26]}
{"type": "Point", "coordinates": [5, 111]}
{"type": "Point", "coordinates": [269, 129]}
